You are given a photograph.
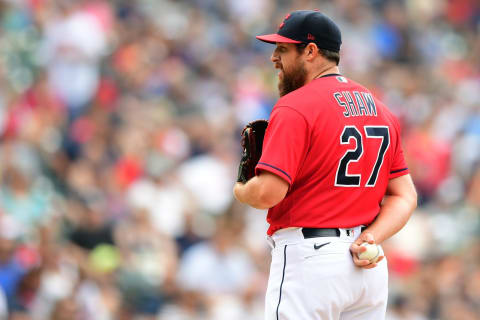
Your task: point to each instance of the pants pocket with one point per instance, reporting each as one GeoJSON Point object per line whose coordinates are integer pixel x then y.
{"type": "Point", "coordinates": [323, 247]}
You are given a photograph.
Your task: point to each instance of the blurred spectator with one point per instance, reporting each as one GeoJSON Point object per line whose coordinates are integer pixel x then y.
{"type": "Point", "coordinates": [93, 228]}
{"type": "Point", "coordinates": [11, 267]}
{"type": "Point", "coordinates": [3, 305]}
{"type": "Point", "coordinates": [66, 309]}
{"type": "Point", "coordinates": [400, 310]}
{"type": "Point", "coordinates": [163, 197]}
{"type": "Point", "coordinates": [189, 237]}
{"type": "Point", "coordinates": [75, 39]}
{"type": "Point", "coordinates": [224, 257]}
{"type": "Point", "coordinates": [26, 203]}
{"type": "Point", "coordinates": [149, 263]}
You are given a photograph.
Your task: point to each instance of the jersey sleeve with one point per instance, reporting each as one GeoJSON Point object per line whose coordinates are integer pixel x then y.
{"type": "Point", "coordinates": [285, 143]}
{"type": "Point", "coordinates": [399, 165]}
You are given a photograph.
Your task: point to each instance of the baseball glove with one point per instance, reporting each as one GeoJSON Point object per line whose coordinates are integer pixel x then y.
{"type": "Point", "coordinates": [252, 143]}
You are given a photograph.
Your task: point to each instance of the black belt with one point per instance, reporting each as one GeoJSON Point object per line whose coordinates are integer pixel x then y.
{"type": "Point", "coordinates": [322, 232]}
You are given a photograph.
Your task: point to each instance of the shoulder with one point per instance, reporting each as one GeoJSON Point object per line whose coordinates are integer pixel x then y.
{"type": "Point", "coordinates": [290, 103]}
{"type": "Point", "coordinates": [297, 103]}
{"type": "Point", "coordinates": [297, 98]}
{"type": "Point", "coordinates": [286, 113]}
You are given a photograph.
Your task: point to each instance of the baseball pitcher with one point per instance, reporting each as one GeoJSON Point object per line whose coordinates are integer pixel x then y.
{"type": "Point", "coordinates": [329, 167]}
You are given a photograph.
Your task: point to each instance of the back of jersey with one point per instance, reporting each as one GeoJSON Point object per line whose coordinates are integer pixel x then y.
{"type": "Point", "coordinates": [340, 169]}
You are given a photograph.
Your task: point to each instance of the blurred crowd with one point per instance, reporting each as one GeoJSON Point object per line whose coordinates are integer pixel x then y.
{"type": "Point", "coordinates": [119, 144]}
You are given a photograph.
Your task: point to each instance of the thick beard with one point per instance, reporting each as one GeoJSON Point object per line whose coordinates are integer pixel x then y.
{"type": "Point", "coordinates": [292, 80]}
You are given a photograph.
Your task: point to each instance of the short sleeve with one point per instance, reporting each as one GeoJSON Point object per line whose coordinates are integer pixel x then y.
{"type": "Point", "coordinates": [399, 165]}
{"type": "Point", "coordinates": [285, 144]}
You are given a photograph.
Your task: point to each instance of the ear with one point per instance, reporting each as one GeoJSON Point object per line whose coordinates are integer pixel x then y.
{"type": "Point", "coordinates": [312, 51]}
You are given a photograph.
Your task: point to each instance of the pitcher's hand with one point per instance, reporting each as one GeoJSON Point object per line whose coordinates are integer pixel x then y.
{"type": "Point", "coordinates": [356, 248]}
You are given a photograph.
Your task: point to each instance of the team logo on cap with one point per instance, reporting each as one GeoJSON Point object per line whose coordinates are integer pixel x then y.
{"type": "Point", "coordinates": [310, 36]}
{"type": "Point", "coordinates": [284, 19]}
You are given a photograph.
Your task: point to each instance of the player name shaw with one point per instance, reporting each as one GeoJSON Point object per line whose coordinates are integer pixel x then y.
{"type": "Point", "coordinates": [356, 103]}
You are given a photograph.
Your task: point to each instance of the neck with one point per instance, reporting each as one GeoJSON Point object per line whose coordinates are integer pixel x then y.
{"type": "Point", "coordinates": [321, 72]}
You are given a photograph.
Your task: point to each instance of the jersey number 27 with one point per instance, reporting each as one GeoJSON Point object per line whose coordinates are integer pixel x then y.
{"type": "Point", "coordinates": [342, 178]}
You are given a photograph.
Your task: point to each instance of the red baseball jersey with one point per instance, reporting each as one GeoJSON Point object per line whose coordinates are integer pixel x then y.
{"type": "Point", "coordinates": [337, 146]}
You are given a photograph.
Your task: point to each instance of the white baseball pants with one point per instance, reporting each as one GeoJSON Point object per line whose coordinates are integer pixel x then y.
{"type": "Point", "coordinates": [313, 279]}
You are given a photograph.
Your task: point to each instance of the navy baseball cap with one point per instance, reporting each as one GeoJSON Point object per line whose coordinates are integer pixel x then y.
{"type": "Point", "coordinates": [306, 26]}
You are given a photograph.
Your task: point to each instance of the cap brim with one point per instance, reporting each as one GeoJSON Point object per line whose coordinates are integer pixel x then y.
{"type": "Point", "coordinates": [274, 38]}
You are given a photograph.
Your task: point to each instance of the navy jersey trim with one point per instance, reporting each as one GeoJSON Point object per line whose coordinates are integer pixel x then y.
{"type": "Point", "coordinates": [283, 277]}
{"type": "Point", "coordinates": [330, 75]}
{"type": "Point", "coordinates": [269, 165]}
{"type": "Point", "coordinates": [395, 171]}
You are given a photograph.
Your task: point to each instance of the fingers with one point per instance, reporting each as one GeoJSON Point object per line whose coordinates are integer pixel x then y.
{"type": "Point", "coordinates": [365, 264]}
{"type": "Point", "coordinates": [359, 262]}
{"type": "Point", "coordinates": [370, 266]}
{"type": "Point", "coordinates": [365, 237]}
{"type": "Point", "coordinates": [355, 249]}
{"type": "Point", "coordinates": [374, 264]}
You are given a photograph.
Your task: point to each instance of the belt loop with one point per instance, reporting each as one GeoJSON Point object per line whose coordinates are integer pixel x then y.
{"type": "Point", "coordinates": [349, 233]}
